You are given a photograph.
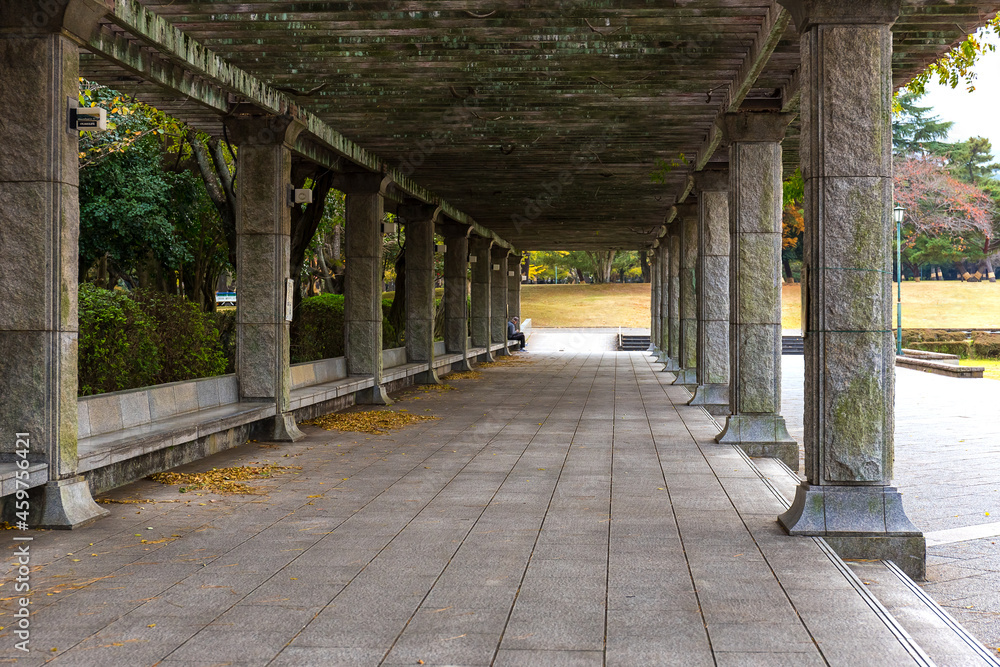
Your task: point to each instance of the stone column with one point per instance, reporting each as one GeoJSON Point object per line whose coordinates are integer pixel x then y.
{"type": "Point", "coordinates": [263, 256]}
{"type": "Point", "coordinates": [712, 393]}
{"type": "Point", "coordinates": [456, 292]}
{"type": "Point", "coordinates": [687, 374]}
{"type": "Point", "coordinates": [756, 424]}
{"type": "Point", "coordinates": [39, 242]}
{"type": "Point", "coordinates": [663, 276]}
{"type": "Point", "coordinates": [849, 351]}
{"type": "Point", "coordinates": [482, 271]}
{"type": "Point", "coordinates": [673, 295]}
{"type": "Point", "coordinates": [514, 286]}
{"type": "Point", "coordinates": [498, 291]}
{"type": "Point", "coordinates": [419, 221]}
{"type": "Point", "coordinates": [654, 303]}
{"type": "Point", "coordinates": [363, 215]}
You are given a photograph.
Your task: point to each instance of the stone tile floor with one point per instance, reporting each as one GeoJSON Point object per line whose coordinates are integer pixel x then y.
{"type": "Point", "coordinates": [948, 469]}
{"type": "Point", "coordinates": [567, 511]}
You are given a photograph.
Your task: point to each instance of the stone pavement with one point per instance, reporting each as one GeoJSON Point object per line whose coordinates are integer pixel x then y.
{"type": "Point", "coordinates": [948, 469]}
{"type": "Point", "coordinates": [567, 511]}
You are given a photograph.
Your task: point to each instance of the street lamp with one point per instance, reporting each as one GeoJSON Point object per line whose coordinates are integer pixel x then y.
{"type": "Point", "coordinates": [898, 213]}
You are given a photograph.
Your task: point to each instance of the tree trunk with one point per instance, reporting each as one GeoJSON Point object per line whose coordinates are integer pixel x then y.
{"type": "Point", "coordinates": [397, 311]}
{"type": "Point", "coordinates": [306, 220]}
{"type": "Point", "coordinates": [644, 266]}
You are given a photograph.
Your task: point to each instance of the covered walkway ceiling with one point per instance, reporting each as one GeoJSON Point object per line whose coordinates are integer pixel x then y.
{"type": "Point", "coordinates": [485, 104]}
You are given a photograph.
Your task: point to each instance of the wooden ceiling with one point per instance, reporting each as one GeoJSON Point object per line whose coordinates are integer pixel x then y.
{"type": "Point", "coordinates": [544, 122]}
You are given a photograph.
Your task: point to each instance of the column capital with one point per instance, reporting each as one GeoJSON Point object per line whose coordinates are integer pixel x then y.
{"type": "Point", "coordinates": [711, 180]}
{"type": "Point", "coordinates": [417, 211]}
{"type": "Point", "coordinates": [256, 129]}
{"type": "Point", "coordinates": [688, 209]}
{"type": "Point", "coordinates": [754, 126]}
{"type": "Point", "coordinates": [807, 13]}
{"type": "Point", "coordinates": [455, 230]}
{"type": "Point", "coordinates": [361, 183]}
{"type": "Point", "coordinates": [480, 243]}
{"type": "Point", "coordinates": [78, 18]}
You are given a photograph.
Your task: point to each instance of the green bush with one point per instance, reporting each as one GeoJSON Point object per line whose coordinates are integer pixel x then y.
{"type": "Point", "coordinates": [931, 336]}
{"type": "Point", "coordinates": [318, 329]}
{"type": "Point", "coordinates": [186, 338]}
{"type": "Point", "coordinates": [116, 348]}
{"type": "Point", "coordinates": [225, 324]}
{"type": "Point", "coordinates": [985, 345]}
{"type": "Point", "coordinates": [143, 338]}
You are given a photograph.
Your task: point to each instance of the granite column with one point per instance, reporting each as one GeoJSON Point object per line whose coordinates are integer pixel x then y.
{"type": "Point", "coordinates": [847, 497]}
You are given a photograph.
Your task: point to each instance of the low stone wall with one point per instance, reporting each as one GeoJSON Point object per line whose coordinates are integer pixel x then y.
{"type": "Point", "coordinates": [939, 368]}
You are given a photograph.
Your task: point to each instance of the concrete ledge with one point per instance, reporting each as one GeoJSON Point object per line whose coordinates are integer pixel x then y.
{"type": "Point", "coordinates": [939, 368]}
{"type": "Point", "coordinates": [38, 475]}
{"type": "Point", "coordinates": [940, 357]}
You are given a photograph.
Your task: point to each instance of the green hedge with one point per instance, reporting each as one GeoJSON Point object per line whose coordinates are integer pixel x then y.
{"type": "Point", "coordinates": [116, 348]}
{"type": "Point", "coordinates": [985, 345]}
{"type": "Point", "coordinates": [318, 328]}
{"type": "Point", "coordinates": [931, 336]}
{"type": "Point", "coordinates": [142, 338]}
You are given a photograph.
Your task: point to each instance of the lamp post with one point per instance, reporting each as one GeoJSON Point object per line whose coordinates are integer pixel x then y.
{"type": "Point", "coordinates": [898, 213]}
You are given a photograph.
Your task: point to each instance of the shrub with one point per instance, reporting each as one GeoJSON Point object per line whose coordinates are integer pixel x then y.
{"type": "Point", "coordinates": [985, 345]}
{"type": "Point", "coordinates": [116, 348]}
{"type": "Point", "coordinates": [187, 339]}
{"type": "Point", "coordinates": [318, 328]}
{"type": "Point", "coordinates": [225, 324]}
{"type": "Point", "coordinates": [931, 336]}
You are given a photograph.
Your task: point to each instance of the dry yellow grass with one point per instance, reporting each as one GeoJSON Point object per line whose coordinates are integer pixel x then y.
{"type": "Point", "coordinates": [614, 305]}
{"type": "Point", "coordinates": [926, 305]}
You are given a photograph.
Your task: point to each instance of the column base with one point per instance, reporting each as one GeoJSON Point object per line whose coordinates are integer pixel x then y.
{"type": "Point", "coordinates": [66, 504]}
{"type": "Point", "coordinates": [713, 397]}
{"type": "Point", "coordinates": [429, 376]}
{"type": "Point", "coordinates": [687, 377]}
{"type": "Point", "coordinates": [485, 357]}
{"type": "Point", "coordinates": [761, 436]}
{"type": "Point", "coordinates": [463, 365]}
{"type": "Point", "coordinates": [503, 351]}
{"type": "Point", "coordinates": [670, 365]}
{"type": "Point", "coordinates": [863, 522]}
{"type": "Point", "coordinates": [372, 396]}
{"type": "Point", "coordinates": [282, 428]}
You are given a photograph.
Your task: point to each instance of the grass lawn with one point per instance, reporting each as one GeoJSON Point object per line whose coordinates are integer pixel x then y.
{"type": "Point", "coordinates": [614, 305]}
{"type": "Point", "coordinates": [926, 305]}
{"type": "Point", "coordinates": [929, 304]}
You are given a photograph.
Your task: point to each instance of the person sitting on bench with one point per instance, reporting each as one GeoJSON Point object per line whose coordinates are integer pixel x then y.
{"type": "Point", "coordinates": [514, 333]}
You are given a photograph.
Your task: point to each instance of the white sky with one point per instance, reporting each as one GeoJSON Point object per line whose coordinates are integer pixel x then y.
{"type": "Point", "coordinates": [974, 114]}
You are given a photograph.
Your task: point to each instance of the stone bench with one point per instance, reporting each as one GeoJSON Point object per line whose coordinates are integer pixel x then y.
{"type": "Point", "coordinates": [38, 475]}
{"type": "Point", "coordinates": [939, 368]}
{"type": "Point", "coordinates": [940, 357]}
{"type": "Point", "coordinates": [125, 435]}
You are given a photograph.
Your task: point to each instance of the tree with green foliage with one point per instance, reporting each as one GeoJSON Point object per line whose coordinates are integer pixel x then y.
{"type": "Point", "coordinates": [914, 130]}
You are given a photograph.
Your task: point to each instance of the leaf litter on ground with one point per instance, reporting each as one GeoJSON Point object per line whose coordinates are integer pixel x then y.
{"type": "Point", "coordinates": [220, 480]}
{"type": "Point", "coordinates": [376, 422]}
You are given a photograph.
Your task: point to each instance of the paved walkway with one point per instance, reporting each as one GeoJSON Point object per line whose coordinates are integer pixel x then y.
{"type": "Point", "coordinates": [948, 469]}
{"type": "Point", "coordinates": [569, 511]}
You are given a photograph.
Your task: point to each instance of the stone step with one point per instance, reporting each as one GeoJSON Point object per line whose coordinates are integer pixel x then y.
{"type": "Point", "coordinates": [634, 343]}
{"type": "Point", "coordinates": [792, 345]}
{"type": "Point", "coordinates": [918, 618]}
